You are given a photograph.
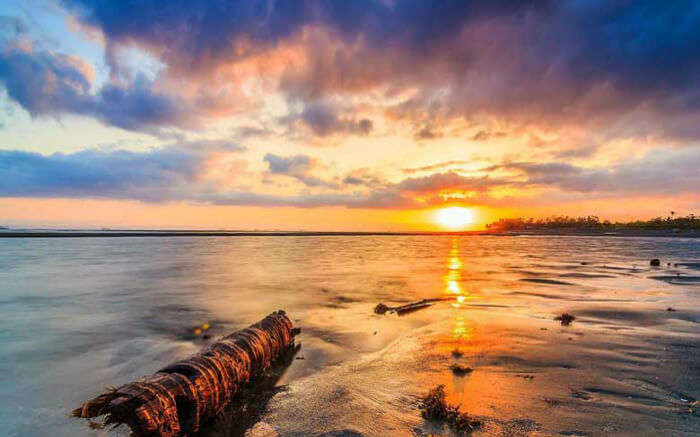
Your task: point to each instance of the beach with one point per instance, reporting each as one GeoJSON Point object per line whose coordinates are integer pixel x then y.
{"type": "Point", "coordinates": [79, 314]}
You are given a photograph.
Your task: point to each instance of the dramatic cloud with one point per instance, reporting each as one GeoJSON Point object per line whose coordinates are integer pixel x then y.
{"type": "Point", "coordinates": [45, 83]}
{"type": "Point", "coordinates": [532, 62]}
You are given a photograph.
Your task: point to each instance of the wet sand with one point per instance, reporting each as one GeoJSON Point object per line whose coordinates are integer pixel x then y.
{"type": "Point", "coordinates": [98, 312]}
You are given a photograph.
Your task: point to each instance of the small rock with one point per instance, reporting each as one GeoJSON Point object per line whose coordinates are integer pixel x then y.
{"type": "Point", "coordinates": [670, 309]}
{"type": "Point", "coordinates": [457, 353]}
{"type": "Point", "coordinates": [655, 262]}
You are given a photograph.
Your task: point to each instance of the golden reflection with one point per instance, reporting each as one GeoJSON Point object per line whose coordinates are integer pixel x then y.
{"type": "Point", "coordinates": [461, 331]}
{"type": "Point", "coordinates": [453, 289]}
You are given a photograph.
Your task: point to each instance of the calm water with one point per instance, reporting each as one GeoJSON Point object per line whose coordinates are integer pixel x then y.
{"type": "Point", "coordinates": [78, 314]}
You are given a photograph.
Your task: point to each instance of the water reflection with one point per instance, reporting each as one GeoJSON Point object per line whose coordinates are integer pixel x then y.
{"type": "Point", "coordinates": [453, 279]}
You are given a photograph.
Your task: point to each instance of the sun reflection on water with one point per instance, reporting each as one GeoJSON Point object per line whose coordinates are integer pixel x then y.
{"type": "Point", "coordinates": [453, 289]}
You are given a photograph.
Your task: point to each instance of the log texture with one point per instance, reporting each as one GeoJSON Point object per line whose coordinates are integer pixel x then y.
{"type": "Point", "coordinates": [179, 398]}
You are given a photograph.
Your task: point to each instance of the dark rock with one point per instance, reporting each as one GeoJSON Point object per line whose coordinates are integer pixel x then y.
{"type": "Point", "coordinates": [655, 262]}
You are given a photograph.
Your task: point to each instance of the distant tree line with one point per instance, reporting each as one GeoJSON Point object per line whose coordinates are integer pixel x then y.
{"type": "Point", "coordinates": [593, 222]}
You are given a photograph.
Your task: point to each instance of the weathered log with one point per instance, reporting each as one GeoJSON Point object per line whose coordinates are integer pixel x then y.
{"type": "Point", "coordinates": [179, 398]}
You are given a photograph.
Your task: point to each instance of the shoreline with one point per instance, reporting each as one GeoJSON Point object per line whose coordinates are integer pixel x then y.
{"type": "Point", "coordinates": [205, 233]}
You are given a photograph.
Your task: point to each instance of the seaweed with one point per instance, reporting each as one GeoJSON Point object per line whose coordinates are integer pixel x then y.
{"type": "Point", "coordinates": [565, 319]}
{"type": "Point", "coordinates": [434, 408]}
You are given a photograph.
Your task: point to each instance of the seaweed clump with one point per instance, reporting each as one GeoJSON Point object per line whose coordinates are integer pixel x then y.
{"type": "Point", "coordinates": [434, 408]}
{"type": "Point", "coordinates": [565, 319]}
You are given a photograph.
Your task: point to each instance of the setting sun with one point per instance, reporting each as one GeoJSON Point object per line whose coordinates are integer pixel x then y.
{"type": "Point", "coordinates": [455, 217]}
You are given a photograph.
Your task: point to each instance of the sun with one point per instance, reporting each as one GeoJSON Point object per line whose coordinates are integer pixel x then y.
{"type": "Point", "coordinates": [454, 217]}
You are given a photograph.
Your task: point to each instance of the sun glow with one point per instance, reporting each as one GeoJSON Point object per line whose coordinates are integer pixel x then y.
{"type": "Point", "coordinates": [455, 217]}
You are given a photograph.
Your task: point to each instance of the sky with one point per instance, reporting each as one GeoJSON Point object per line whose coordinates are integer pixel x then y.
{"type": "Point", "coordinates": [329, 115]}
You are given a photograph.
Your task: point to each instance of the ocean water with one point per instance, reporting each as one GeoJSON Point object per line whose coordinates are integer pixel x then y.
{"type": "Point", "coordinates": [78, 314]}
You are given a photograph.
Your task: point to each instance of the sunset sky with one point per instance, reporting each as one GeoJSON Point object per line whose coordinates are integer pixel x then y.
{"type": "Point", "coordinates": [345, 115]}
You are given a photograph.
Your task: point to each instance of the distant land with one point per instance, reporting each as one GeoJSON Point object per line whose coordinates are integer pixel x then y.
{"type": "Point", "coordinates": [671, 226]}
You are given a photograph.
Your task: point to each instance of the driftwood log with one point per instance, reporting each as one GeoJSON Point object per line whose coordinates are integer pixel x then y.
{"type": "Point", "coordinates": [408, 308]}
{"type": "Point", "coordinates": [179, 398]}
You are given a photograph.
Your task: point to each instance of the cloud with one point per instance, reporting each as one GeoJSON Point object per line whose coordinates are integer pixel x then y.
{"type": "Point", "coordinates": [324, 119]}
{"type": "Point", "coordinates": [297, 167]}
{"type": "Point", "coordinates": [184, 27]}
{"type": "Point", "coordinates": [157, 175]}
{"type": "Point", "coordinates": [427, 133]}
{"type": "Point", "coordinates": [578, 152]}
{"type": "Point", "coordinates": [484, 135]}
{"type": "Point", "coordinates": [448, 181]}
{"type": "Point", "coordinates": [658, 172]}
{"type": "Point", "coordinates": [529, 62]}
{"type": "Point", "coordinates": [364, 177]}
{"type": "Point", "coordinates": [95, 173]}
{"type": "Point", "coordinates": [180, 173]}
{"type": "Point", "coordinates": [51, 84]}
{"type": "Point", "coordinates": [297, 164]}
{"type": "Point", "coordinates": [437, 166]}
{"type": "Point", "coordinates": [353, 180]}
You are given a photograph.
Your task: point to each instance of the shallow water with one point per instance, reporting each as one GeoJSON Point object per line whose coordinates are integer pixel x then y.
{"type": "Point", "coordinates": [77, 314]}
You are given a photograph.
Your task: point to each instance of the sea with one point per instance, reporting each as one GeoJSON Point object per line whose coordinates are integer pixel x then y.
{"type": "Point", "coordinates": [80, 314]}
